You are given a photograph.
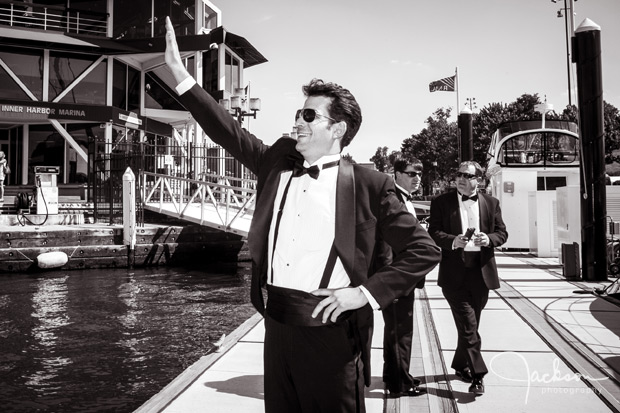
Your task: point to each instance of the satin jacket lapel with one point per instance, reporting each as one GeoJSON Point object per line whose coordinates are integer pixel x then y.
{"type": "Point", "coordinates": [345, 215]}
{"type": "Point", "coordinates": [259, 228]}
{"type": "Point", "coordinates": [455, 216]}
{"type": "Point", "coordinates": [485, 224]}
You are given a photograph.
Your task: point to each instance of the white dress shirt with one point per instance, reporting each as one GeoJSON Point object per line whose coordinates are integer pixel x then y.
{"type": "Point", "coordinates": [470, 218]}
{"type": "Point", "coordinates": [306, 232]}
{"type": "Point", "coordinates": [408, 203]}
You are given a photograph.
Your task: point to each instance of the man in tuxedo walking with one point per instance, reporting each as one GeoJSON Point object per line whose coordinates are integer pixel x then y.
{"type": "Point", "coordinates": [398, 316]}
{"type": "Point", "coordinates": [467, 270]}
{"type": "Point", "coordinates": [312, 241]}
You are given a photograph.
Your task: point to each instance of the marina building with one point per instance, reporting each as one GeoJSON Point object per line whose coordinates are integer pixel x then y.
{"type": "Point", "coordinates": [83, 80]}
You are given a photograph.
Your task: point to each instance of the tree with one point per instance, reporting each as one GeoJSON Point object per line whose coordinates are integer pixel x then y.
{"type": "Point", "coordinates": [348, 157]}
{"type": "Point", "coordinates": [436, 146]}
{"type": "Point", "coordinates": [611, 119]}
{"type": "Point", "coordinates": [384, 162]}
{"type": "Point", "coordinates": [380, 159]}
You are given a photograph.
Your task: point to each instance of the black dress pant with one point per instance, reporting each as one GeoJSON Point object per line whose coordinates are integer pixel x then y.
{"type": "Point", "coordinates": [397, 338]}
{"type": "Point", "coordinates": [312, 369]}
{"type": "Point", "coordinates": [467, 303]}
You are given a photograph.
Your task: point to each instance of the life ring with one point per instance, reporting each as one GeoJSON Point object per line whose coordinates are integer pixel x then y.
{"type": "Point", "coordinates": [52, 259]}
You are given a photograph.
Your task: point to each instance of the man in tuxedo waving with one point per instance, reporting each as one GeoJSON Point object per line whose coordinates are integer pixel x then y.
{"type": "Point", "coordinates": [312, 241]}
{"type": "Point", "coordinates": [467, 270]}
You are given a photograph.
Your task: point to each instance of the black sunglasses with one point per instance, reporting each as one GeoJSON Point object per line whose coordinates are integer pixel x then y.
{"type": "Point", "coordinates": [411, 174]}
{"type": "Point", "coordinates": [465, 175]}
{"type": "Point", "coordinates": [309, 115]}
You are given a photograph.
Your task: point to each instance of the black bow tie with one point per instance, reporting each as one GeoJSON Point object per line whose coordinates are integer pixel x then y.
{"type": "Point", "coordinates": [406, 196]}
{"type": "Point", "coordinates": [472, 198]}
{"type": "Point", "coordinates": [313, 171]}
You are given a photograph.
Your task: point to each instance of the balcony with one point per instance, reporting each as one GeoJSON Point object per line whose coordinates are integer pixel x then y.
{"type": "Point", "coordinates": [60, 19]}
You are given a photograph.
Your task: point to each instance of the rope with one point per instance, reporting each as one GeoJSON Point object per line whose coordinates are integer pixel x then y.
{"type": "Point", "coordinates": [24, 255]}
{"type": "Point", "coordinates": [76, 248]}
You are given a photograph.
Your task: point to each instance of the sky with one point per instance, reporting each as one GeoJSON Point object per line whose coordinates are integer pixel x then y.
{"type": "Point", "coordinates": [387, 52]}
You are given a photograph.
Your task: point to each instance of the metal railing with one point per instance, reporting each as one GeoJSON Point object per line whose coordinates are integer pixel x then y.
{"type": "Point", "coordinates": [48, 17]}
{"type": "Point", "coordinates": [229, 200]}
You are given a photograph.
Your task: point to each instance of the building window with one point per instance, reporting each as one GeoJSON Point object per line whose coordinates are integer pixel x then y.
{"type": "Point", "coordinates": [126, 87]}
{"type": "Point", "coordinates": [143, 18]}
{"type": "Point", "coordinates": [181, 13]}
{"type": "Point", "coordinates": [210, 18]}
{"type": "Point", "coordinates": [95, 6]}
{"type": "Point", "coordinates": [232, 72]}
{"type": "Point", "coordinates": [158, 95]}
{"type": "Point", "coordinates": [27, 65]}
{"type": "Point", "coordinates": [210, 71]}
{"type": "Point", "coordinates": [65, 68]}
{"type": "Point", "coordinates": [132, 19]}
{"type": "Point", "coordinates": [47, 148]}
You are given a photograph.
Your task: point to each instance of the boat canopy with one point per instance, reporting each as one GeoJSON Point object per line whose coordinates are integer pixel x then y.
{"type": "Point", "coordinates": [525, 143]}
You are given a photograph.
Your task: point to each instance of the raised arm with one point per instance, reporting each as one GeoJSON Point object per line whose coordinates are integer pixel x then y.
{"type": "Point", "coordinates": [217, 123]}
{"type": "Point", "coordinates": [173, 57]}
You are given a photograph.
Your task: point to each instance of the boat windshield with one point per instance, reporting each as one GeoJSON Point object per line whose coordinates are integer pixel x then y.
{"type": "Point", "coordinates": [540, 148]}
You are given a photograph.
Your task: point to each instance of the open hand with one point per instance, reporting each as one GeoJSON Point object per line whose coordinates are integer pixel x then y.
{"type": "Point", "coordinates": [172, 55]}
{"type": "Point", "coordinates": [338, 301]}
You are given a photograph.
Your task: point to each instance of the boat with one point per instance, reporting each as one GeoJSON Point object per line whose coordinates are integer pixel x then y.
{"type": "Point", "coordinates": [527, 162]}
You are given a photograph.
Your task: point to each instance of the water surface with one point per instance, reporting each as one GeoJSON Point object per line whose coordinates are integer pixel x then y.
{"type": "Point", "coordinates": [108, 340]}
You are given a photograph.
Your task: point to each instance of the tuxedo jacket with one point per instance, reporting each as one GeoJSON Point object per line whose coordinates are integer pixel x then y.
{"type": "Point", "coordinates": [445, 225]}
{"type": "Point", "coordinates": [384, 252]}
{"type": "Point", "coordinates": [367, 210]}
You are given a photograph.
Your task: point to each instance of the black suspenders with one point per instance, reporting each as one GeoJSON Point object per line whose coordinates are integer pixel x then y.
{"type": "Point", "coordinates": [331, 260]}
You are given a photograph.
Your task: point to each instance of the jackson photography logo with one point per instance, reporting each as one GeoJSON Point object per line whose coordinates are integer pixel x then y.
{"type": "Point", "coordinates": [529, 376]}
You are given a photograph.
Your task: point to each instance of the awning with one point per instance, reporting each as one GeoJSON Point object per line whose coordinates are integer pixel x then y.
{"type": "Point", "coordinates": [238, 44]}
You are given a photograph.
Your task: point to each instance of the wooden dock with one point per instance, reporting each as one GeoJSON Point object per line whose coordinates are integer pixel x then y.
{"type": "Point", "coordinates": [231, 379]}
{"type": "Point", "coordinates": [535, 321]}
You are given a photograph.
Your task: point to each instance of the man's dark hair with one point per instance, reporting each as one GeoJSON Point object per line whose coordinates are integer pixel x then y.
{"type": "Point", "coordinates": [400, 164]}
{"type": "Point", "coordinates": [476, 165]}
{"type": "Point", "coordinates": [344, 107]}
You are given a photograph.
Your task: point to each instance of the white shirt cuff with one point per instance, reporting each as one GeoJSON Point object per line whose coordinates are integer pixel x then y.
{"type": "Point", "coordinates": [371, 300]}
{"type": "Point", "coordinates": [185, 85]}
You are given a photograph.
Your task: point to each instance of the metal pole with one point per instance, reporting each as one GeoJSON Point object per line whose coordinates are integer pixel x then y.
{"type": "Point", "coordinates": [587, 55]}
{"type": "Point", "coordinates": [457, 87]}
{"type": "Point", "coordinates": [465, 126]}
{"type": "Point", "coordinates": [570, 93]}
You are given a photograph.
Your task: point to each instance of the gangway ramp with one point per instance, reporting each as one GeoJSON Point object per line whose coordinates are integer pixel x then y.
{"type": "Point", "coordinates": [223, 203]}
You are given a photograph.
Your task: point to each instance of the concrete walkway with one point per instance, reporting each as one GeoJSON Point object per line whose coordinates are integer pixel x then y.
{"type": "Point", "coordinates": [547, 349]}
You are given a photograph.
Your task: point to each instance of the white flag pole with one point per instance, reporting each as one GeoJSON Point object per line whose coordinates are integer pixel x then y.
{"type": "Point", "coordinates": [456, 87]}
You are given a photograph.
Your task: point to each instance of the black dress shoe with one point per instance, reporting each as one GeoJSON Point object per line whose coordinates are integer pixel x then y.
{"type": "Point", "coordinates": [464, 375]}
{"type": "Point", "coordinates": [477, 387]}
{"type": "Point", "coordinates": [412, 392]}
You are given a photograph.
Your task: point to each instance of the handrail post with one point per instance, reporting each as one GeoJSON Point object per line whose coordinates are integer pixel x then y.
{"type": "Point", "coordinates": [129, 215]}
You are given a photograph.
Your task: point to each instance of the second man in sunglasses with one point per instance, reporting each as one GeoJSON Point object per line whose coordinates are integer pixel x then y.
{"type": "Point", "coordinates": [312, 241]}
{"type": "Point", "coordinates": [468, 270]}
{"type": "Point", "coordinates": [398, 316]}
